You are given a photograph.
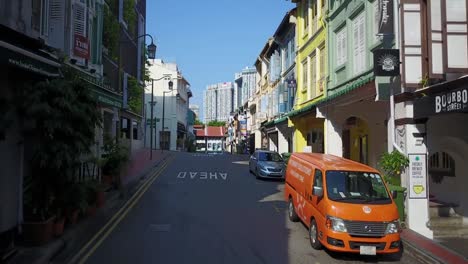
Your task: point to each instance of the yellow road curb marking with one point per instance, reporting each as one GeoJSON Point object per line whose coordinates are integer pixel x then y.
{"type": "Point", "coordinates": [123, 211]}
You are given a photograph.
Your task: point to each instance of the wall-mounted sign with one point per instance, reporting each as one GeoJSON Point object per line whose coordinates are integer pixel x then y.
{"type": "Point", "coordinates": [386, 62]}
{"type": "Point", "coordinates": [417, 176]}
{"type": "Point", "coordinates": [81, 47]}
{"type": "Point", "coordinates": [243, 127]}
{"type": "Point", "coordinates": [454, 101]}
{"type": "Point", "coordinates": [386, 17]}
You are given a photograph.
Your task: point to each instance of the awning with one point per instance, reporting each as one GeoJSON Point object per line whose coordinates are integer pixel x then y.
{"type": "Point", "coordinates": [311, 106]}
{"type": "Point", "coordinates": [443, 98]}
{"type": "Point", "coordinates": [29, 61]}
{"type": "Point", "coordinates": [101, 91]}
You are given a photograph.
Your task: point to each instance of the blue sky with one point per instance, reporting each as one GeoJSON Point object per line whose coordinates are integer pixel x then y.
{"type": "Point", "coordinates": [212, 40]}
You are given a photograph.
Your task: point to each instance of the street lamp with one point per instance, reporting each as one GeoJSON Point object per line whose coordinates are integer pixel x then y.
{"type": "Point", "coordinates": [171, 86]}
{"type": "Point", "coordinates": [151, 55]}
{"type": "Point", "coordinates": [151, 50]}
{"type": "Point", "coordinates": [165, 76]}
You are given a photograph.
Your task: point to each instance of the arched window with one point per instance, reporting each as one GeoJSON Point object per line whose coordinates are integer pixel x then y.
{"type": "Point", "coordinates": [441, 165]}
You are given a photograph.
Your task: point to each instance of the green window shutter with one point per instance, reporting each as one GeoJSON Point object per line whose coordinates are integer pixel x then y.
{"type": "Point", "coordinates": [99, 31]}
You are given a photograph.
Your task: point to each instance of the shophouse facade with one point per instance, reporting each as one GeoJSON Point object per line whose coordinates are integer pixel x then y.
{"type": "Point", "coordinates": [430, 113]}
{"type": "Point", "coordinates": [283, 79]}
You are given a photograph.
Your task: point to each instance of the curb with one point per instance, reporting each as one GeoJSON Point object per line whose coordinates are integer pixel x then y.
{"type": "Point", "coordinates": [116, 198]}
{"type": "Point", "coordinates": [420, 255]}
{"type": "Point", "coordinates": [46, 254]}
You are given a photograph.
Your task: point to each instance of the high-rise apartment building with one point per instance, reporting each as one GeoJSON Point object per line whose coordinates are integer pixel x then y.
{"type": "Point", "coordinates": [219, 101]}
{"type": "Point", "coordinates": [246, 81]}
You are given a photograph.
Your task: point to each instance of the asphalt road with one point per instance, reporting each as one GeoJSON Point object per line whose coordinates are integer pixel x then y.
{"type": "Point", "coordinates": [209, 209]}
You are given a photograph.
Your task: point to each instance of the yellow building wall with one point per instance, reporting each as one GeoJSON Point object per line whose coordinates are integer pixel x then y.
{"type": "Point", "coordinates": [356, 132]}
{"type": "Point", "coordinates": [308, 45]}
{"type": "Point", "coordinates": [304, 125]}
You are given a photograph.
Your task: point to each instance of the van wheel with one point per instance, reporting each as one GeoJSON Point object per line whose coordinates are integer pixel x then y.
{"type": "Point", "coordinates": [291, 212]}
{"type": "Point", "coordinates": [313, 235]}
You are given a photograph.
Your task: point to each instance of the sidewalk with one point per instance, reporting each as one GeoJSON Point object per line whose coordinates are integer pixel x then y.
{"type": "Point", "coordinates": [140, 162]}
{"type": "Point", "coordinates": [428, 251]}
{"type": "Point", "coordinates": [76, 236]}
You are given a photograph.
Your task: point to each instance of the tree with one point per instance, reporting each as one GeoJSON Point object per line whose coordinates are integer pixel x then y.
{"type": "Point", "coordinates": [198, 122]}
{"type": "Point", "coordinates": [61, 116]}
{"type": "Point", "coordinates": [217, 123]}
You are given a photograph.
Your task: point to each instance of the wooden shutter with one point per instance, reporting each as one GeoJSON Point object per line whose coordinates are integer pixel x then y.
{"type": "Point", "coordinates": [412, 44]}
{"type": "Point", "coordinates": [313, 76]}
{"type": "Point", "coordinates": [356, 50]}
{"type": "Point", "coordinates": [362, 43]}
{"type": "Point", "coordinates": [338, 48]}
{"type": "Point", "coordinates": [125, 90]}
{"type": "Point", "coordinates": [457, 41]}
{"type": "Point", "coordinates": [56, 37]}
{"type": "Point", "coordinates": [436, 64]}
{"type": "Point", "coordinates": [79, 26]}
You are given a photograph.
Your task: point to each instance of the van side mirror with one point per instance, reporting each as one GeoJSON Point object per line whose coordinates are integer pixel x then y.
{"type": "Point", "coordinates": [318, 191]}
{"type": "Point", "coordinates": [394, 194]}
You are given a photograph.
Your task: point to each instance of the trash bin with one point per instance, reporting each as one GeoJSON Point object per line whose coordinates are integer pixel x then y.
{"type": "Point", "coordinates": [399, 200]}
{"type": "Point", "coordinates": [286, 156]}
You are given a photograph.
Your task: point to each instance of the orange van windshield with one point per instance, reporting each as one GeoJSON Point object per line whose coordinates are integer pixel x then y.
{"type": "Point", "coordinates": [356, 187]}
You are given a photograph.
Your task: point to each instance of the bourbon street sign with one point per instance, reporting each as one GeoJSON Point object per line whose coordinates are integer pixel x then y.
{"type": "Point", "coordinates": [454, 101]}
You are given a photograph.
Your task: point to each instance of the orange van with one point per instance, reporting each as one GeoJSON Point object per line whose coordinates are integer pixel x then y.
{"type": "Point", "coordinates": [345, 204]}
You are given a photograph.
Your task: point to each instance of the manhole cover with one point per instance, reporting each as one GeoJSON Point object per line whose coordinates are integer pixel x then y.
{"type": "Point", "coordinates": [161, 228]}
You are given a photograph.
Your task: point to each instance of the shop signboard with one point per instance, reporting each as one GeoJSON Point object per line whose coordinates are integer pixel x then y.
{"type": "Point", "coordinates": [454, 101]}
{"type": "Point", "coordinates": [385, 17]}
{"type": "Point", "coordinates": [386, 62]}
{"type": "Point", "coordinates": [417, 176]}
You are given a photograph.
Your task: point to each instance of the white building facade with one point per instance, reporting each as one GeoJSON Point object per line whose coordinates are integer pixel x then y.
{"type": "Point", "coordinates": [170, 107]}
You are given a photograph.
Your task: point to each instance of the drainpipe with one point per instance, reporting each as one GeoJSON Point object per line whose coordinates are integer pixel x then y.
{"type": "Point", "coordinates": [396, 19]}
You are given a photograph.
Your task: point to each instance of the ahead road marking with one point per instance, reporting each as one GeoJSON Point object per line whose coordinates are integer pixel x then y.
{"type": "Point", "coordinates": [122, 212]}
{"type": "Point", "coordinates": [203, 175]}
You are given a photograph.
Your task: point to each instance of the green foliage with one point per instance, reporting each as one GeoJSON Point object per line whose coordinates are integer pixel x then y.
{"type": "Point", "coordinates": [61, 115]}
{"type": "Point", "coordinates": [135, 98]}
{"type": "Point", "coordinates": [111, 33]}
{"type": "Point", "coordinates": [198, 122]}
{"type": "Point", "coordinates": [217, 123]}
{"type": "Point", "coordinates": [130, 15]}
{"type": "Point", "coordinates": [76, 196]}
{"type": "Point", "coordinates": [115, 158]}
{"type": "Point", "coordinates": [393, 164]}
{"type": "Point", "coordinates": [146, 64]}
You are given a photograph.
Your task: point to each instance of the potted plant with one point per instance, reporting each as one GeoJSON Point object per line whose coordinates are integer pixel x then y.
{"type": "Point", "coordinates": [59, 222]}
{"type": "Point", "coordinates": [393, 164]}
{"type": "Point", "coordinates": [114, 159]}
{"type": "Point", "coordinates": [61, 115]}
{"type": "Point", "coordinates": [75, 202]}
{"type": "Point", "coordinates": [38, 225]}
{"type": "Point", "coordinates": [91, 197]}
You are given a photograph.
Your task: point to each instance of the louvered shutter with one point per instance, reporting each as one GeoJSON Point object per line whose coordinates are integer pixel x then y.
{"type": "Point", "coordinates": [56, 24]}
{"type": "Point", "coordinates": [79, 28]}
{"type": "Point", "coordinates": [344, 46]}
{"type": "Point", "coordinates": [356, 50]}
{"type": "Point", "coordinates": [362, 43]}
{"type": "Point", "coordinates": [338, 48]}
{"type": "Point", "coordinates": [125, 90]}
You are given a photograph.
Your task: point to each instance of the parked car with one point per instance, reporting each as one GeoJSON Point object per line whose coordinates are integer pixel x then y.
{"type": "Point", "coordinates": [267, 164]}
{"type": "Point", "coordinates": [345, 204]}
